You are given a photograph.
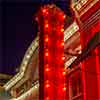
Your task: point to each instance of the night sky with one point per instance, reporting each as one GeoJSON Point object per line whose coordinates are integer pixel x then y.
{"type": "Point", "coordinates": [17, 30]}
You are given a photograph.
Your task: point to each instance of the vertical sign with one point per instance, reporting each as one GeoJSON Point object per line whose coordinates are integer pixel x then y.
{"type": "Point", "coordinates": [51, 53]}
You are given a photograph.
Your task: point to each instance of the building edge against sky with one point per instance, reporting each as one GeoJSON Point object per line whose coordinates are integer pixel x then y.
{"type": "Point", "coordinates": [79, 77]}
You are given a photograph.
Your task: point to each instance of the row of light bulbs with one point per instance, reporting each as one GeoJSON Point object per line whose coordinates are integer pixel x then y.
{"type": "Point", "coordinates": [67, 34]}
{"type": "Point", "coordinates": [29, 92]}
{"type": "Point", "coordinates": [47, 82]}
{"type": "Point", "coordinates": [23, 66]}
{"type": "Point", "coordinates": [78, 5]}
{"type": "Point", "coordinates": [70, 30]}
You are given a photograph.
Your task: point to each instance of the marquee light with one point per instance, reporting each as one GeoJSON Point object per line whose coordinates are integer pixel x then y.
{"type": "Point", "coordinates": [63, 58]}
{"type": "Point", "coordinates": [46, 26]}
{"type": "Point", "coordinates": [71, 30]}
{"type": "Point", "coordinates": [52, 37]}
{"type": "Point", "coordinates": [32, 48]}
{"type": "Point", "coordinates": [63, 73]}
{"type": "Point", "coordinates": [46, 39]}
{"type": "Point", "coordinates": [62, 30]}
{"type": "Point", "coordinates": [27, 57]}
{"type": "Point", "coordinates": [44, 10]}
{"type": "Point", "coordinates": [47, 85]}
{"type": "Point", "coordinates": [47, 98]}
{"type": "Point", "coordinates": [47, 69]}
{"type": "Point", "coordinates": [64, 16]}
{"type": "Point", "coordinates": [64, 89]}
{"type": "Point", "coordinates": [62, 44]}
{"type": "Point", "coordinates": [28, 93]}
{"type": "Point", "coordinates": [46, 54]}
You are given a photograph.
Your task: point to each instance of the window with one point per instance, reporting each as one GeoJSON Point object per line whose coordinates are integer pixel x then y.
{"type": "Point", "coordinates": [76, 87]}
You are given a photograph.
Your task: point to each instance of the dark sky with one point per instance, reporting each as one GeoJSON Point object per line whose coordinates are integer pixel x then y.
{"type": "Point", "coordinates": [17, 30]}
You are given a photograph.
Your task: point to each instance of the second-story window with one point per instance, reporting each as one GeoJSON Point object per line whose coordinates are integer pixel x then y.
{"type": "Point", "coordinates": [76, 86]}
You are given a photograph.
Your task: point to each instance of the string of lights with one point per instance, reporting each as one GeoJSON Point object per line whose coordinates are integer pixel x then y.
{"type": "Point", "coordinates": [51, 34]}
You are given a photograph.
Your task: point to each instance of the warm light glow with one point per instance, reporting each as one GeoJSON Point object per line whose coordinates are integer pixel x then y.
{"type": "Point", "coordinates": [47, 85]}
{"type": "Point", "coordinates": [64, 88]}
{"type": "Point", "coordinates": [53, 31]}
{"type": "Point", "coordinates": [47, 98]}
{"type": "Point", "coordinates": [47, 69]}
{"type": "Point", "coordinates": [64, 16]}
{"type": "Point", "coordinates": [46, 65]}
{"type": "Point", "coordinates": [63, 58]}
{"type": "Point", "coordinates": [62, 30]}
{"type": "Point", "coordinates": [62, 44]}
{"type": "Point", "coordinates": [71, 30]}
{"type": "Point", "coordinates": [64, 73]}
{"type": "Point", "coordinates": [46, 39]}
{"type": "Point", "coordinates": [44, 10]}
{"type": "Point", "coordinates": [46, 26]}
{"type": "Point", "coordinates": [46, 54]}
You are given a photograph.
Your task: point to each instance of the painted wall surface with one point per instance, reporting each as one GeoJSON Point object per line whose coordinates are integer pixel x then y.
{"type": "Point", "coordinates": [91, 66]}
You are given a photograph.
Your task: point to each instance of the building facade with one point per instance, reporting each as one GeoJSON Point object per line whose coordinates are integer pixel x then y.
{"type": "Point", "coordinates": [83, 77]}
{"type": "Point", "coordinates": [82, 58]}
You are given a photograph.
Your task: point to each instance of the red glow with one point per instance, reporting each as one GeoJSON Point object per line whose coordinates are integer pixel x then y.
{"type": "Point", "coordinates": [64, 16]}
{"type": "Point", "coordinates": [52, 31]}
{"type": "Point", "coordinates": [47, 98]}
{"type": "Point", "coordinates": [44, 10]}
{"type": "Point", "coordinates": [62, 44]}
{"type": "Point", "coordinates": [63, 58]}
{"type": "Point", "coordinates": [64, 89]}
{"type": "Point", "coordinates": [47, 85]}
{"type": "Point", "coordinates": [64, 73]}
{"type": "Point", "coordinates": [62, 30]}
{"type": "Point", "coordinates": [47, 69]}
{"type": "Point", "coordinates": [46, 65]}
{"type": "Point", "coordinates": [46, 39]}
{"type": "Point", "coordinates": [97, 68]}
{"type": "Point", "coordinates": [46, 54]}
{"type": "Point", "coordinates": [46, 26]}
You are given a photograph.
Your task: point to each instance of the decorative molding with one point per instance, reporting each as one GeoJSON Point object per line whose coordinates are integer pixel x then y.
{"type": "Point", "coordinates": [34, 45]}
{"type": "Point", "coordinates": [5, 76]}
{"type": "Point", "coordinates": [23, 65]}
{"type": "Point", "coordinates": [71, 30]}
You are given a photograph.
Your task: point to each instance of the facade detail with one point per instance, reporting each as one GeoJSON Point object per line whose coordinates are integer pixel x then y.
{"type": "Point", "coordinates": [80, 50]}
{"type": "Point", "coordinates": [84, 72]}
{"type": "Point", "coordinates": [51, 51]}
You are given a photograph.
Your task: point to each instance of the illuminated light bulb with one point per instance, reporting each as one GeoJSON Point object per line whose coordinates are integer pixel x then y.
{"type": "Point", "coordinates": [47, 69]}
{"type": "Point", "coordinates": [62, 44]}
{"type": "Point", "coordinates": [64, 16]}
{"type": "Point", "coordinates": [44, 10]}
{"type": "Point", "coordinates": [47, 98]}
{"type": "Point", "coordinates": [47, 85]}
{"type": "Point", "coordinates": [28, 56]}
{"type": "Point", "coordinates": [46, 26]}
{"type": "Point", "coordinates": [46, 54]}
{"type": "Point", "coordinates": [35, 87]}
{"type": "Point", "coordinates": [64, 73]}
{"type": "Point", "coordinates": [62, 30]}
{"type": "Point", "coordinates": [63, 58]}
{"type": "Point", "coordinates": [47, 81]}
{"type": "Point", "coordinates": [64, 88]}
{"type": "Point", "coordinates": [46, 39]}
